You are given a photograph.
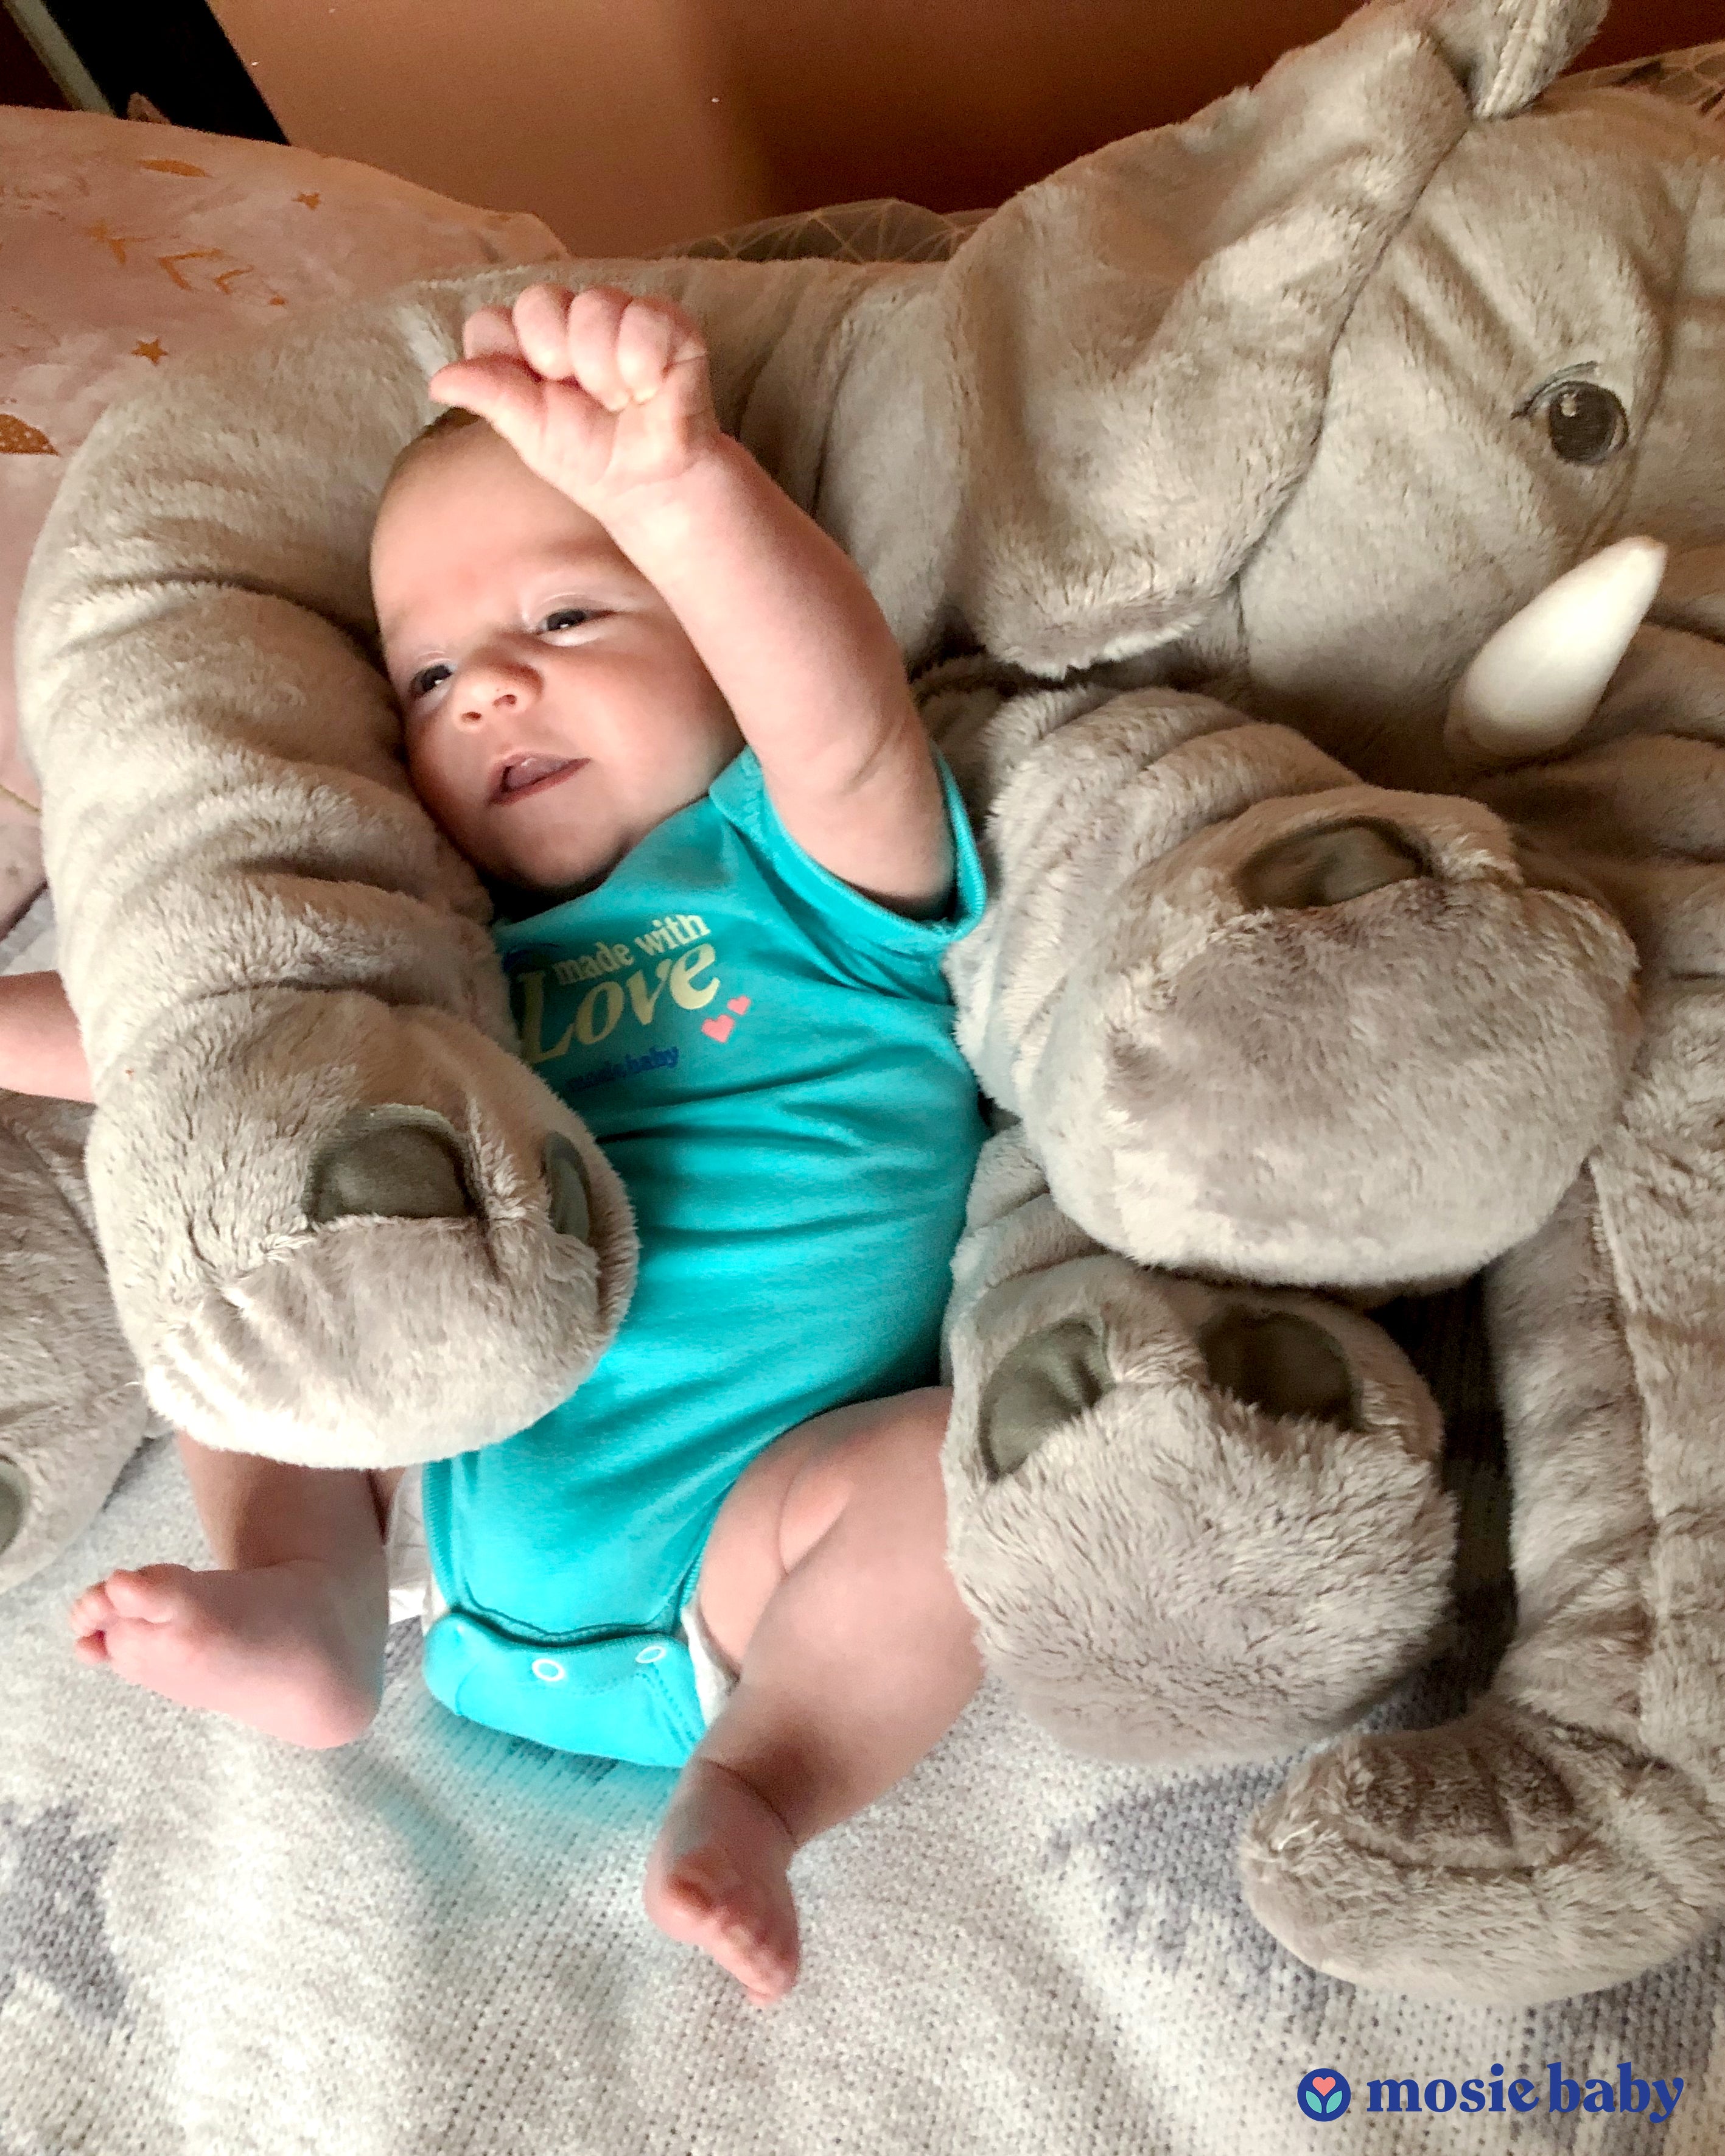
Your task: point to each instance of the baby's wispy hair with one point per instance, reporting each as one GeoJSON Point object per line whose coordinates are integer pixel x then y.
{"type": "Point", "coordinates": [446, 423]}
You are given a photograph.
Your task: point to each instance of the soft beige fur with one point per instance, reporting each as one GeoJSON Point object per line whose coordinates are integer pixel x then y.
{"type": "Point", "coordinates": [1228, 446]}
{"type": "Point", "coordinates": [1218, 1592]}
{"type": "Point", "coordinates": [1340, 1137]}
{"type": "Point", "coordinates": [73, 1410]}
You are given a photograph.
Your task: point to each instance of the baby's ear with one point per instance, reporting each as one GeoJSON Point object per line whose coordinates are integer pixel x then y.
{"type": "Point", "coordinates": [1506, 52]}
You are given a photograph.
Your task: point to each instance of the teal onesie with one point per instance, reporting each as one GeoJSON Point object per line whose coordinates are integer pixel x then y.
{"type": "Point", "coordinates": [766, 1058]}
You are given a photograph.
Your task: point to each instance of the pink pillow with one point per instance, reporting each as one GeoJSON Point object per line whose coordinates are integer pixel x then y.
{"type": "Point", "coordinates": [125, 246]}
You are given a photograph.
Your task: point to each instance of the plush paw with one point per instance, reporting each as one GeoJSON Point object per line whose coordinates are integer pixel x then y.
{"type": "Point", "coordinates": [1235, 1078]}
{"type": "Point", "coordinates": [1503, 1860]}
{"type": "Point", "coordinates": [1194, 1524]}
{"type": "Point", "coordinates": [371, 1280]}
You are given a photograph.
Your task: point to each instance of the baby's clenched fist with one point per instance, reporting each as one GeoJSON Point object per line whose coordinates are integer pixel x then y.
{"type": "Point", "coordinates": [603, 395]}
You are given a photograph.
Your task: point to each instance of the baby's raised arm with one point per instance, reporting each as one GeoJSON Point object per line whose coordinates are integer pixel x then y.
{"type": "Point", "coordinates": [607, 398]}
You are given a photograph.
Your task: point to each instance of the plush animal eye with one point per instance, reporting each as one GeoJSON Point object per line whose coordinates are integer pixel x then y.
{"type": "Point", "coordinates": [1586, 421]}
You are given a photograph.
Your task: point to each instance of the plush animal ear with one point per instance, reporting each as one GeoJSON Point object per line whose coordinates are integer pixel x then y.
{"type": "Point", "coordinates": [1140, 344]}
{"type": "Point", "coordinates": [1505, 52]}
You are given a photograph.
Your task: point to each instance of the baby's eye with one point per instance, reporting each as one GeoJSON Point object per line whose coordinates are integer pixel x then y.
{"type": "Point", "coordinates": [427, 678]}
{"type": "Point", "coordinates": [565, 617]}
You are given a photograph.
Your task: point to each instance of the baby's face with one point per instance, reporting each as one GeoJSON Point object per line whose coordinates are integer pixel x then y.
{"type": "Point", "coordinates": [553, 709]}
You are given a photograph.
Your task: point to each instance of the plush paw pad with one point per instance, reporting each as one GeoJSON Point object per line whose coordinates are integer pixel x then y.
{"type": "Point", "coordinates": [1365, 1137]}
{"type": "Point", "coordinates": [1280, 1364]}
{"type": "Point", "coordinates": [570, 1213]}
{"type": "Point", "coordinates": [394, 1162]}
{"type": "Point", "coordinates": [14, 1503]}
{"type": "Point", "coordinates": [1329, 865]}
{"type": "Point", "coordinates": [1050, 1378]}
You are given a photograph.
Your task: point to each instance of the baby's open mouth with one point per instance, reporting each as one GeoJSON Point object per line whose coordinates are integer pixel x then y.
{"type": "Point", "coordinates": [532, 774]}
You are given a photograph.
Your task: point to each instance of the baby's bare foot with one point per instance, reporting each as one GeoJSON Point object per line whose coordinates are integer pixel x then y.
{"type": "Point", "coordinates": [294, 1649]}
{"type": "Point", "coordinates": [716, 1880]}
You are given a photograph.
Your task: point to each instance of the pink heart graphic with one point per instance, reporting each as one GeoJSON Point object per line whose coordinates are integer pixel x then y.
{"type": "Point", "coordinates": [738, 1003]}
{"type": "Point", "coordinates": [719, 1029]}
{"type": "Point", "coordinates": [1324, 2083]}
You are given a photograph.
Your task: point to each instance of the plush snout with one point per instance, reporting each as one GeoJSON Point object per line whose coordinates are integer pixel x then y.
{"type": "Point", "coordinates": [1194, 1524]}
{"type": "Point", "coordinates": [1350, 1040]}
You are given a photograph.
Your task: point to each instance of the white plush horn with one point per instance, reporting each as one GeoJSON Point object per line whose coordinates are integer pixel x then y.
{"type": "Point", "coordinates": [1539, 679]}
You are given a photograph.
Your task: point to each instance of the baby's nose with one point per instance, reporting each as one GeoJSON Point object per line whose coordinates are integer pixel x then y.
{"type": "Point", "coordinates": [492, 688]}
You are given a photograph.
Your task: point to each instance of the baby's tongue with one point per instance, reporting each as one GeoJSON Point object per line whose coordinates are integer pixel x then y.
{"type": "Point", "coordinates": [530, 768]}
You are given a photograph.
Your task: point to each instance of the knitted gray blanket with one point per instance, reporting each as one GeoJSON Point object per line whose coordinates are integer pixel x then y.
{"type": "Point", "coordinates": [212, 1945]}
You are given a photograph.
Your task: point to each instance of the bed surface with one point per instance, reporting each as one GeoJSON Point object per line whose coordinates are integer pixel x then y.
{"type": "Point", "coordinates": [212, 1944]}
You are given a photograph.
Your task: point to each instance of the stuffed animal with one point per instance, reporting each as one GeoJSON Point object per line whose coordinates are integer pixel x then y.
{"type": "Point", "coordinates": [1215, 460]}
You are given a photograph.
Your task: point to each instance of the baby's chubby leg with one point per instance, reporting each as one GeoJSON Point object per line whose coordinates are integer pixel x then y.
{"type": "Point", "coordinates": [825, 1581]}
{"type": "Point", "coordinates": [40, 1049]}
{"type": "Point", "coordinates": [287, 1633]}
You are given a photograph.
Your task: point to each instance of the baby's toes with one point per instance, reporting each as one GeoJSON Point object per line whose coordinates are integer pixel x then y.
{"type": "Point", "coordinates": [153, 1594]}
{"type": "Point", "coordinates": [756, 1940]}
{"type": "Point", "coordinates": [766, 1964]}
{"type": "Point", "coordinates": [91, 1611]}
{"type": "Point", "coordinates": [145, 1653]}
{"type": "Point", "coordinates": [169, 1636]}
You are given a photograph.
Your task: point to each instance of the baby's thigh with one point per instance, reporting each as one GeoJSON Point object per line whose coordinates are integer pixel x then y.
{"type": "Point", "coordinates": [795, 1491]}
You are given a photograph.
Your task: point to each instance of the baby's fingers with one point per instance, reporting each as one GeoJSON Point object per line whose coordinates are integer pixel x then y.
{"type": "Point", "coordinates": [505, 393]}
{"type": "Point", "coordinates": [489, 333]}
{"type": "Point", "coordinates": [579, 339]}
{"type": "Point", "coordinates": [542, 320]}
{"type": "Point", "coordinates": [654, 337]}
{"type": "Point", "coordinates": [555, 428]}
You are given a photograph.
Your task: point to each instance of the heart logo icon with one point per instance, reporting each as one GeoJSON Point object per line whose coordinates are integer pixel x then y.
{"type": "Point", "coordinates": [718, 1029]}
{"type": "Point", "coordinates": [1324, 2094]}
{"type": "Point", "coordinates": [738, 1003]}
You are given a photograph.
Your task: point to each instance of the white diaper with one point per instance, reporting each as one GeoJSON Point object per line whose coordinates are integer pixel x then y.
{"type": "Point", "coordinates": [414, 1592]}
{"type": "Point", "coordinates": [714, 1677]}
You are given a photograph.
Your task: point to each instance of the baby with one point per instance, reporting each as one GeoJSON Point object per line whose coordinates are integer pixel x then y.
{"type": "Point", "coordinates": [658, 708]}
